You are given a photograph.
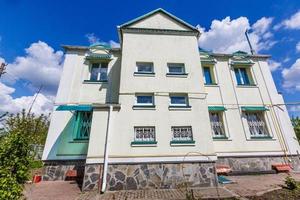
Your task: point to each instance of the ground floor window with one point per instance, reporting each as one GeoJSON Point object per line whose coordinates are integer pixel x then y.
{"type": "Point", "coordinates": [217, 125]}
{"type": "Point", "coordinates": [144, 134]}
{"type": "Point", "coordinates": [257, 124]}
{"type": "Point", "coordinates": [182, 133]}
{"type": "Point", "coordinates": [83, 121]}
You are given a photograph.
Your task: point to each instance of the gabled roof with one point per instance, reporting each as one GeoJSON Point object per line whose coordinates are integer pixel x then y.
{"type": "Point", "coordinates": [159, 10]}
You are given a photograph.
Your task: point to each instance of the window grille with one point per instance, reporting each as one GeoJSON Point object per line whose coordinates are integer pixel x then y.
{"type": "Point", "coordinates": [217, 125]}
{"type": "Point", "coordinates": [257, 125]}
{"type": "Point", "coordinates": [182, 133]}
{"type": "Point", "coordinates": [144, 134]}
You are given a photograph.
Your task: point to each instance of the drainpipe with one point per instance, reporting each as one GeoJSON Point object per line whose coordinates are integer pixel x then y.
{"type": "Point", "coordinates": [105, 161]}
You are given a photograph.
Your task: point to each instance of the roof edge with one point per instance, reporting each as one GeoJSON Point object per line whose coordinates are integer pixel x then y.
{"type": "Point", "coordinates": [156, 11]}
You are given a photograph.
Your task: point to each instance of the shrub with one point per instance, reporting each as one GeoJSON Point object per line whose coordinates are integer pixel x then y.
{"type": "Point", "coordinates": [14, 164]}
{"type": "Point", "coordinates": [291, 183]}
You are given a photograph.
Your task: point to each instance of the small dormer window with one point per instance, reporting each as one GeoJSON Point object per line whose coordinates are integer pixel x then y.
{"type": "Point", "coordinates": [99, 72]}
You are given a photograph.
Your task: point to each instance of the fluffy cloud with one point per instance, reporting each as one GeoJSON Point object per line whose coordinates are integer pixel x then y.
{"type": "Point", "coordinates": [292, 23]}
{"type": "Point", "coordinates": [295, 108]}
{"type": "Point", "coordinates": [92, 38]}
{"type": "Point", "coordinates": [273, 65]}
{"type": "Point", "coordinates": [291, 76]}
{"type": "Point", "coordinates": [227, 36]}
{"type": "Point", "coordinates": [42, 103]}
{"type": "Point", "coordinates": [40, 66]}
{"type": "Point", "coordinates": [298, 47]}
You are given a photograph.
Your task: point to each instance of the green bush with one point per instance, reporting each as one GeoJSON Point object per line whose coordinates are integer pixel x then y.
{"type": "Point", "coordinates": [36, 164]}
{"type": "Point", "coordinates": [291, 183]}
{"type": "Point", "coordinates": [15, 161]}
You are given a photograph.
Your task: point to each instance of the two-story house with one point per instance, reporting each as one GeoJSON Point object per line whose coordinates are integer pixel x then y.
{"type": "Point", "coordinates": [158, 111]}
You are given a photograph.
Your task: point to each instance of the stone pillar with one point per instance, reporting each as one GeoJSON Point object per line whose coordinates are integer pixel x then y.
{"type": "Point", "coordinates": [92, 175]}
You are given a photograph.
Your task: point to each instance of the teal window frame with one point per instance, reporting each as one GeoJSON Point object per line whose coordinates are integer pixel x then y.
{"type": "Point", "coordinates": [82, 124]}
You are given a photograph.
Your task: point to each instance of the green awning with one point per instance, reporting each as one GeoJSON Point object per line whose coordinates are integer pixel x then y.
{"type": "Point", "coordinates": [254, 108]}
{"type": "Point", "coordinates": [216, 108]}
{"type": "Point", "coordinates": [95, 56]}
{"type": "Point", "coordinates": [74, 107]}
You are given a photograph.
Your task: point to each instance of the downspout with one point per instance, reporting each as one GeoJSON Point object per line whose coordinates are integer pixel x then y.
{"type": "Point", "coordinates": [105, 161]}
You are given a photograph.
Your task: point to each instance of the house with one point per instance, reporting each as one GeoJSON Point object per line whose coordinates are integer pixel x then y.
{"type": "Point", "coordinates": [159, 112]}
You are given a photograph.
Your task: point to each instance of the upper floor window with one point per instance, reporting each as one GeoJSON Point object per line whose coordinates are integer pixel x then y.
{"type": "Point", "coordinates": [182, 133]}
{"type": "Point", "coordinates": [243, 76]}
{"type": "Point", "coordinates": [256, 123]}
{"type": "Point", "coordinates": [83, 121]}
{"type": "Point", "coordinates": [179, 100]}
{"type": "Point", "coordinates": [217, 126]}
{"type": "Point", "coordinates": [99, 71]}
{"type": "Point", "coordinates": [144, 68]}
{"type": "Point", "coordinates": [145, 100]}
{"type": "Point", "coordinates": [208, 75]}
{"type": "Point", "coordinates": [176, 68]}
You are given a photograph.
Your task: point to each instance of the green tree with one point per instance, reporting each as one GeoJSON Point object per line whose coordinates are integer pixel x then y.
{"type": "Point", "coordinates": [296, 125]}
{"type": "Point", "coordinates": [33, 127]}
{"type": "Point", "coordinates": [15, 160]}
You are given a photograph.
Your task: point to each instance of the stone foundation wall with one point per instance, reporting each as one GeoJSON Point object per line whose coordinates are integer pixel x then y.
{"type": "Point", "coordinates": [56, 170]}
{"type": "Point", "coordinates": [151, 176]}
{"type": "Point", "coordinates": [256, 164]}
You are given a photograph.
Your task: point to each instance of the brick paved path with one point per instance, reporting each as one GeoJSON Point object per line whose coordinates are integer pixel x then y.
{"type": "Point", "coordinates": [174, 194]}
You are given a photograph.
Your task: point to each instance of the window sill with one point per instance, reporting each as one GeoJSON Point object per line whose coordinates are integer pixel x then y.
{"type": "Point", "coordinates": [144, 74]}
{"type": "Point", "coordinates": [94, 82]}
{"type": "Point", "coordinates": [143, 107]}
{"type": "Point", "coordinates": [247, 86]}
{"type": "Point", "coordinates": [182, 75]}
{"type": "Point", "coordinates": [145, 143]}
{"type": "Point", "coordinates": [221, 139]}
{"type": "Point", "coordinates": [182, 143]}
{"type": "Point", "coordinates": [211, 85]}
{"type": "Point", "coordinates": [262, 138]}
{"type": "Point", "coordinates": [180, 107]}
{"type": "Point", "coordinates": [80, 141]}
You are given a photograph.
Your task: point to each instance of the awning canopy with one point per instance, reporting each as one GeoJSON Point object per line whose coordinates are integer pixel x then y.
{"type": "Point", "coordinates": [216, 108]}
{"type": "Point", "coordinates": [74, 107]}
{"type": "Point", "coordinates": [254, 108]}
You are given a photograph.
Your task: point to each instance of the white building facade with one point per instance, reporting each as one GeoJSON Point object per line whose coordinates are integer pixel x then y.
{"type": "Point", "coordinates": [159, 111]}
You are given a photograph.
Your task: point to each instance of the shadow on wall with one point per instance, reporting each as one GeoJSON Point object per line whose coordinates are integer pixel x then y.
{"type": "Point", "coordinates": [65, 145]}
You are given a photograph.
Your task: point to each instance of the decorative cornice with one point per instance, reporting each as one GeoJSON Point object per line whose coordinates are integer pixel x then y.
{"type": "Point", "coordinates": [159, 31]}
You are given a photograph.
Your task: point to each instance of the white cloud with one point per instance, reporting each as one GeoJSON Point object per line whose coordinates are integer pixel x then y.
{"type": "Point", "coordinates": [40, 66]}
{"type": "Point", "coordinates": [42, 104]}
{"type": "Point", "coordinates": [295, 108]}
{"type": "Point", "coordinates": [92, 38]}
{"type": "Point", "coordinates": [291, 80]}
{"type": "Point", "coordinates": [114, 44]}
{"type": "Point", "coordinates": [298, 47]}
{"type": "Point", "coordinates": [228, 36]}
{"type": "Point", "coordinates": [292, 23]}
{"type": "Point", "coordinates": [274, 65]}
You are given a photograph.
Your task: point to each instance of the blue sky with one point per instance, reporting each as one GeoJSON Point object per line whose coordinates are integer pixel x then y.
{"type": "Point", "coordinates": [32, 32]}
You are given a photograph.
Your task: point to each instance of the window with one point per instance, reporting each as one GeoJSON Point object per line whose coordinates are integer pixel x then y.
{"type": "Point", "coordinates": [242, 76]}
{"type": "Point", "coordinates": [144, 134]}
{"type": "Point", "coordinates": [144, 68]}
{"type": "Point", "coordinates": [217, 125]}
{"type": "Point", "coordinates": [145, 99]}
{"type": "Point", "coordinates": [256, 123]}
{"type": "Point", "coordinates": [182, 133]}
{"type": "Point", "coordinates": [83, 121]}
{"type": "Point", "coordinates": [99, 72]}
{"type": "Point", "coordinates": [178, 100]}
{"type": "Point", "coordinates": [208, 78]}
{"type": "Point", "coordinates": [176, 69]}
